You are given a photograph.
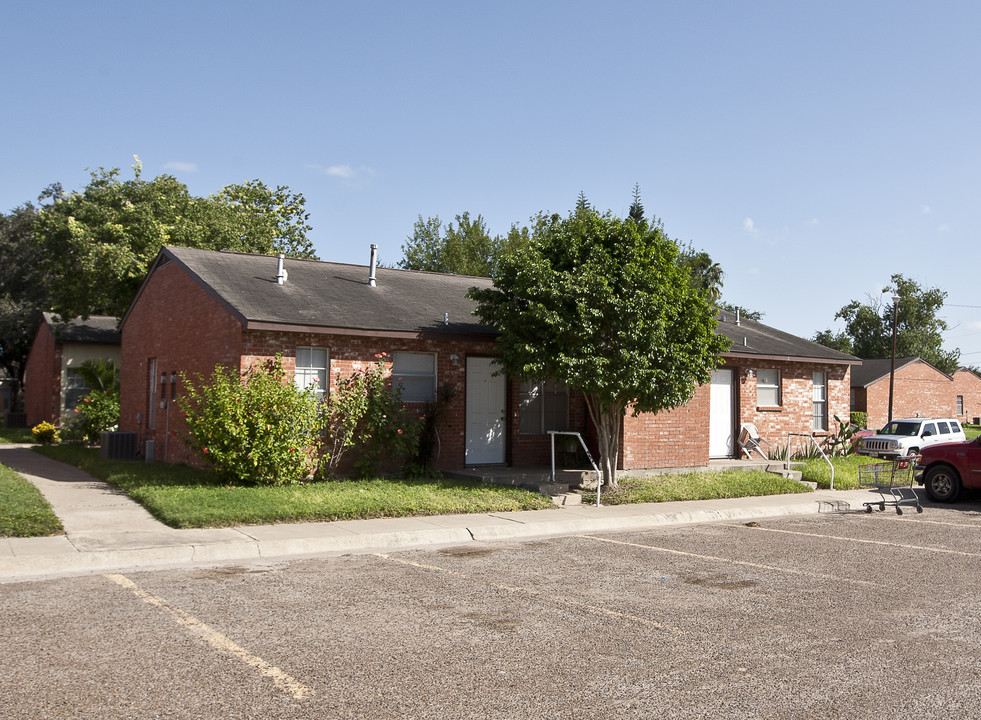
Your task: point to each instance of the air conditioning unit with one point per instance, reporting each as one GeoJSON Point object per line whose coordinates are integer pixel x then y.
{"type": "Point", "coordinates": [117, 445]}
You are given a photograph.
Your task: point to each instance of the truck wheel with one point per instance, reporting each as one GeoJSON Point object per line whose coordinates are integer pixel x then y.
{"type": "Point", "coordinates": [942, 483]}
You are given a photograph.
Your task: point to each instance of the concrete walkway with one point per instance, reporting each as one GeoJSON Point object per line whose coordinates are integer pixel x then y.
{"type": "Point", "coordinates": [106, 531]}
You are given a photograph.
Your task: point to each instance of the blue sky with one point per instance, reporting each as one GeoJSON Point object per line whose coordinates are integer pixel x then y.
{"type": "Point", "coordinates": [812, 149]}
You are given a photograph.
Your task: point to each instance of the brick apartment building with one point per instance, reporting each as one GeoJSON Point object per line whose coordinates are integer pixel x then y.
{"type": "Point", "coordinates": [197, 309]}
{"type": "Point", "coordinates": [51, 385]}
{"type": "Point", "coordinates": [919, 389]}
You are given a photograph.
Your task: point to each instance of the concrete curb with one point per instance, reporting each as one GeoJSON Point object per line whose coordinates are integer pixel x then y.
{"type": "Point", "coordinates": [36, 558]}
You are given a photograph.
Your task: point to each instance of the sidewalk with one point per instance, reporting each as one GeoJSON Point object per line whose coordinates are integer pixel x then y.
{"type": "Point", "coordinates": [106, 531]}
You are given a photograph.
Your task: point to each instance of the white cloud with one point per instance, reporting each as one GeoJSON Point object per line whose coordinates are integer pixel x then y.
{"type": "Point", "coordinates": [187, 167]}
{"type": "Point", "coordinates": [341, 171]}
{"type": "Point", "coordinates": [925, 209]}
{"type": "Point", "coordinates": [814, 221]}
{"type": "Point", "coordinates": [943, 228]}
{"type": "Point", "coordinates": [345, 172]}
{"type": "Point", "coordinates": [749, 225]}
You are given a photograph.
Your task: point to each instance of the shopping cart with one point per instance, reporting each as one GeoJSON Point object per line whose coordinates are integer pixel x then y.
{"type": "Point", "coordinates": [894, 478]}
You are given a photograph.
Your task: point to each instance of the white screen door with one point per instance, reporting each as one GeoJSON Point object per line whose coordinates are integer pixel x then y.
{"type": "Point", "coordinates": [485, 412]}
{"type": "Point", "coordinates": [721, 415]}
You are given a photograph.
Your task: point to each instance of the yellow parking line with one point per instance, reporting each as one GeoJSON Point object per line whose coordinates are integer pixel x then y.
{"type": "Point", "coordinates": [886, 543]}
{"type": "Point", "coordinates": [537, 593]}
{"type": "Point", "coordinates": [744, 563]}
{"type": "Point", "coordinates": [218, 641]}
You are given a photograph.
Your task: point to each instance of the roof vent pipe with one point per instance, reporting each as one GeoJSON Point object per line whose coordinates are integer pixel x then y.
{"type": "Point", "coordinates": [737, 316]}
{"type": "Point", "coordinates": [281, 273]}
{"type": "Point", "coordinates": [374, 263]}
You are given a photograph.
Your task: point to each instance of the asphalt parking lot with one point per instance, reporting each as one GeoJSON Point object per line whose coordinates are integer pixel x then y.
{"type": "Point", "coordinates": [825, 616]}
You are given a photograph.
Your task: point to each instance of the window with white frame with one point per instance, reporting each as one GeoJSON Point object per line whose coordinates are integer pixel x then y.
{"type": "Point", "coordinates": [543, 406]}
{"type": "Point", "coordinates": [415, 372]}
{"type": "Point", "coordinates": [768, 387]}
{"type": "Point", "coordinates": [820, 401]}
{"type": "Point", "coordinates": [960, 405]}
{"type": "Point", "coordinates": [75, 389]}
{"type": "Point", "coordinates": [311, 369]}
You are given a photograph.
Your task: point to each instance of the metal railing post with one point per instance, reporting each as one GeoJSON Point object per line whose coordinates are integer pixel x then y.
{"type": "Point", "coordinates": [599, 475]}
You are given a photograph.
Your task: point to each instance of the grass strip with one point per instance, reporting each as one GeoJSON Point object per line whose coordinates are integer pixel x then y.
{"type": "Point", "coordinates": [23, 510]}
{"type": "Point", "coordinates": [15, 435]}
{"type": "Point", "coordinates": [698, 486]}
{"type": "Point", "coordinates": [184, 497]}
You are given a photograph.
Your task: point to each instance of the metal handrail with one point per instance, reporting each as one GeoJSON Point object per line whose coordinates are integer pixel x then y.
{"type": "Point", "coordinates": [813, 440]}
{"type": "Point", "coordinates": [599, 476]}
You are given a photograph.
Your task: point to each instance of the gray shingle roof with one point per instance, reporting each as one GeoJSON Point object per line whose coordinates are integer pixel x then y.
{"type": "Point", "coordinates": [334, 295]}
{"type": "Point", "coordinates": [96, 330]}
{"type": "Point", "coordinates": [337, 295]}
{"type": "Point", "coordinates": [751, 338]}
{"type": "Point", "coordinates": [871, 371]}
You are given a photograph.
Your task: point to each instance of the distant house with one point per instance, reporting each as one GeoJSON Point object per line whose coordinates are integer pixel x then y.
{"type": "Point", "coordinates": [52, 386]}
{"type": "Point", "coordinates": [197, 309]}
{"type": "Point", "coordinates": [8, 388]}
{"type": "Point", "coordinates": [967, 396]}
{"type": "Point", "coordinates": [918, 389]}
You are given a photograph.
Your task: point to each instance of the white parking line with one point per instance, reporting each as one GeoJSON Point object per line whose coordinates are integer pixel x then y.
{"type": "Point", "coordinates": [537, 593]}
{"type": "Point", "coordinates": [886, 543]}
{"type": "Point", "coordinates": [744, 563]}
{"type": "Point", "coordinates": [284, 682]}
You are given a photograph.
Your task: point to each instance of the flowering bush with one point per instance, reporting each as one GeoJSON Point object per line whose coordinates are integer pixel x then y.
{"type": "Point", "coordinates": [363, 411]}
{"type": "Point", "coordinates": [257, 427]}
{"type": "Point", "coordinates": [45, 433]}
{"type": "Point", "coordinates": [97, 413]}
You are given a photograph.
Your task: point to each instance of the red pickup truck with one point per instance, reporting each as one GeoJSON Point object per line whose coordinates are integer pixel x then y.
{"type": "Point", "coordinates": [947, 468]}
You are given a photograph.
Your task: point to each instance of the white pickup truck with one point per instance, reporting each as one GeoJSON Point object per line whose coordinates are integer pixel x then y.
{"type": "Point", "coordinates": [910, 435]}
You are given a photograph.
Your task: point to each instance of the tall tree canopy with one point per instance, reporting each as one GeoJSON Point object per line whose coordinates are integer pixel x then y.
{"type": "Point", "coordinates": [23, 288]}
{"type": "Point", "coordinates": [919, 332]}
{"type": "Point", "coordinates": [86, 253]}
{"type": "Point", "coordinates": [465, 249]}
{"type": "Point", "coordinates": [96, 245]}
{"type": "Point", "coordinates": [605, 305]}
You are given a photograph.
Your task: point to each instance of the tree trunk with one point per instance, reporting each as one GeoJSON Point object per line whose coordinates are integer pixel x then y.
{"type": "Point", "coordinates": [607, 419]}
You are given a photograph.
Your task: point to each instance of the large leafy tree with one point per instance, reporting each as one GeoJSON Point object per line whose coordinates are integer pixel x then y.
{"type": "Point", "coordinates": [23, 288]}
{"type": "Point", "coordinates": [919, 332]}
{"type": "Point", "coordinates": [605, 305]}
{"type": "Point", "coordinates": [96, 245]}
{"type": "Point", "coordinates": [466, 248]}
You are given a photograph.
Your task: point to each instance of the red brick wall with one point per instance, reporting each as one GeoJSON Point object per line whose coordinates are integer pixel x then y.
{"type": "Point", "coordinates": [795, 413]}
{"type": "Point", "coordinates": [968, 386]}
{"type": "Point", "coordinates": [349, 353]}
{"type": "Point", "coordinates": [186, 330]}
{"type": "Point", "coordinates": [675, 438]}
{"type": "Point", "coordinates": [42, 379]}
{"type": "Point", "coordinates": [919, 389]}
{"type": "Point", "coordinates": [680, 437]}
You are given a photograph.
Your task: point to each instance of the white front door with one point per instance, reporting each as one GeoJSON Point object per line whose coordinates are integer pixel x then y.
{"type": "Point", "coordinates": [486, 399]}
{"type": "Point", "coordinates": [721, 435]}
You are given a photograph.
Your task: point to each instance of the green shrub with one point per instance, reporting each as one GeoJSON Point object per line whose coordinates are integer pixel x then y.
{"type": "Point", "coordinates": [97, 413]}
{"type": "Point", "coordinates": [255, 427]}
{"type": "Point", "coordinates": [859, 419]}
{"type": "Point", "coordinates": [45, 433]}
{"type": "Point", "coordinates": [365, 412]}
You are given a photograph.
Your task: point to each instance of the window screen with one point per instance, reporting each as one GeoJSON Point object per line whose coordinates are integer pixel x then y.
{"type": "Point", "coordinates": [416, 373]}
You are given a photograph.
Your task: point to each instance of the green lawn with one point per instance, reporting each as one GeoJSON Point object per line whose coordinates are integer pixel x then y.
{"type": "Point", "coordinates": [183, 497]}
{"type": "Point", "coordinates": [23, 510]}
{"type": "Point", "coordinates": [15, 435]}
{"type": "Point", "coordinates": [972, 431]}
{"type": "Point", "coordinates": [698, 486]}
